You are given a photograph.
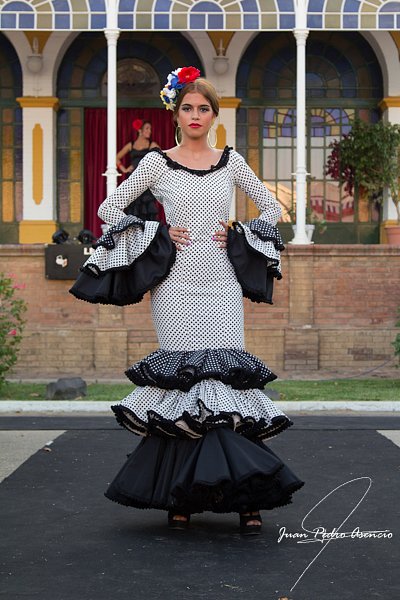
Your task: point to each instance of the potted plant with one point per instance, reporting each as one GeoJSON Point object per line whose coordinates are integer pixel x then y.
{"type": "Point", "coordinates": [313, 222]}
{"type": "Point", "coordinates": [368, 158]}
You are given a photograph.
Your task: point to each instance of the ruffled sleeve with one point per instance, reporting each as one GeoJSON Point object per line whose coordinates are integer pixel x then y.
{"type": "Point", "coordinates": [254, 246]}
{"type": "Point", "coordinates": [133, 256]}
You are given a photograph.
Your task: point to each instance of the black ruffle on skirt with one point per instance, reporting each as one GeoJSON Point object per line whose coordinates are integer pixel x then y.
{"type": "Point", "coordinates": [222, 472]}
{"type": "Point", "coordinates": [192, 426]}
{"type": "Point", "coordinates": [170, 370]}
{"type": "Point", "coordinates": [125, 285]}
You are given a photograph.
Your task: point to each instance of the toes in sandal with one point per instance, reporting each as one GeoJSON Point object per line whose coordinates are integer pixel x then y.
{"type": "Point", "coordinates": [246, 529]}
{"type": "Point", "coordinates": [174, 523]}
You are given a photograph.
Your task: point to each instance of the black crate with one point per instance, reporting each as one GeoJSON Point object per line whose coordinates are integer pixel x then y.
{"type": "Point", "coordinates": [62, 261]}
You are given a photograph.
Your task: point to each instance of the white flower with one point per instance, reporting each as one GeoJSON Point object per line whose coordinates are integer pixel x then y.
{"type": "Point", "coordinates": [170, 93]}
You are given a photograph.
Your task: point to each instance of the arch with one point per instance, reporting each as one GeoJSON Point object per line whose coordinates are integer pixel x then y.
{"type": "Point", "coordinates": [353, 14]}
{"type": "Point", "coordinates": [200, 15]}
{"type": "Point", "coordinates": [11, 141]}
{"type": "Point", "coordinates": [267, 69]}
{"type": "Point", "coordinates": [387, 54]}
{"type": "Point", "coordinates": [344, 81]}
{"type": "Point", "coordinates": [85, 62]}
{"type": "Point", "coordinates": [10, 73]}
{"type": "Point", "coordinates": [235, 15]}
{"type": "Point", "coordinates": [145, 15]}
{"type": "Point", "coordinates": [80, 78]}
{"type": "Point", "coordinates": [53, 14]}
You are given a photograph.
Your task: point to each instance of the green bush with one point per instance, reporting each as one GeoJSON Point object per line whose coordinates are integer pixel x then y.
{"type": "Point", "coordinates": [11, 323]}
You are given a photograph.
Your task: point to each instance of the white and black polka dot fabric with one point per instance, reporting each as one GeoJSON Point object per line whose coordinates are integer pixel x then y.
{"type": "Point", "coordinates": [122, 244]}
{"type": "Point", "coordinates": [199, 306]}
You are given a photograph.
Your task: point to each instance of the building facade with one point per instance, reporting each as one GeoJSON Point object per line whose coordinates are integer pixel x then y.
{"type": "Point", "coordinates": [55, 66]}
{"type": "Point", "coordinates": [291, 75]}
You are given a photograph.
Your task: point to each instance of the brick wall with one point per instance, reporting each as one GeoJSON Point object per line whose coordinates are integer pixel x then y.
{"type": "Point", "coordinates": [334, 311]}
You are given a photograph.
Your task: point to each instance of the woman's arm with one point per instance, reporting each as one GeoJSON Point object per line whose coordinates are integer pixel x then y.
{"type": "Point", "coordinates": [146, 173]}
{"type": "Point", "coordinates": [247, 180]}
{"type": "Point", "coordinates": [123, 152]}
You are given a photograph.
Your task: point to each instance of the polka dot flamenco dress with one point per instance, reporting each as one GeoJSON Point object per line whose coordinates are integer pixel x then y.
{"type": "Point", "coordinates": [199, 402]}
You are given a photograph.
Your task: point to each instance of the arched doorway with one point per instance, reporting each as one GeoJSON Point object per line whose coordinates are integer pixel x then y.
{"type": "Point", "coordinates": [144, 60]}
{"type": "Point", "coordinates": [11, 142]}
{"type": "Point", "coordinates": [344, 81]}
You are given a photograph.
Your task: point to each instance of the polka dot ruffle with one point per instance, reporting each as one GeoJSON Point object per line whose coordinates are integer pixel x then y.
{"type": "Point", "coordinates": [181, 370]}
{"type": "Point", "coordinates": [206, 405]}
{"type": "Point", "coordinates": [122, 245]}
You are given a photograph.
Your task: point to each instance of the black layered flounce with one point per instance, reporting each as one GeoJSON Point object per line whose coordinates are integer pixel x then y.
{"type": "Point", "coordinates": [222, 472]}
{"type": "Point", "coordinates": [255, 270]}
{"type": "Point", "coordinates": [126, 284]}
{"type": "Point", "coordinates": [181, 370]}
{"type": "Point", "coordinates": [189, 426]}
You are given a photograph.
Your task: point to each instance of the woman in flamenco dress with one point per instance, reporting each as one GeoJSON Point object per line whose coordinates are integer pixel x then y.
{"type": "Point", "coordinates": [146, 206]}
{"type": "Point", "coordinates": [199, 402]}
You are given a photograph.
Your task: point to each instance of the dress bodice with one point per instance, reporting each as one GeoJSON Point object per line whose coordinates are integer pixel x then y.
{"type": "Point", "coordinates": [191, 198]}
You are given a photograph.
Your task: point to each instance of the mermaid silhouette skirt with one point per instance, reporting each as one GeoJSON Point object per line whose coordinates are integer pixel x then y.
{"type": "Point", "coordinates": [199, 401]}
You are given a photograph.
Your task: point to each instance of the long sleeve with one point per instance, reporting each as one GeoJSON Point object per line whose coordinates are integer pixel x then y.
{"type": "Point", "coordinates": [254, 247]}
{"type": "Point", "coordinates": [133, 256]}
{"type": "Point", "coordinates": [245, 178]}
{"type": "Point", "coordinates": [144, 176]}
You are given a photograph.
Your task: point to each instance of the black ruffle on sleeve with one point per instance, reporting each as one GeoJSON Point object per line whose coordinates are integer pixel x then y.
{"type": "Point", "coordinates": [254, 251]}
{"type": "Point", "coordinates": [129, 260]}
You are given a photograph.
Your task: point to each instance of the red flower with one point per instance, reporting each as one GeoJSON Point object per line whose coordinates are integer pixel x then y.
{"type": "Point", "coordinates": [188, 74]}
{"type": "Point", "coordinates": [12, 332]}
{"type": "Point", "coordinates": [137, 124]}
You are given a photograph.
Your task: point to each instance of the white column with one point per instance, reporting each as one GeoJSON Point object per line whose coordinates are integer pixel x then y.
{"type": "Point", "coordinates": [391, 113]}
{"type": "Point", "coordinates": [39, 126]}
{"type": "Point", "coordinates": [112, 35]}
{"type": "Point", "coordinates": [301, 34]}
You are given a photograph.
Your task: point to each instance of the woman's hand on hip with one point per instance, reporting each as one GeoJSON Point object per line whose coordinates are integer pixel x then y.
{"type": "Point", "coordinates": [180, 236]}
{"type": "Point", "coordinates": [221, 235]}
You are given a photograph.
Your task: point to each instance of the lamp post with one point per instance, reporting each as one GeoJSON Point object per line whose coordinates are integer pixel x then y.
{"type": "Point", "coordinates": [34, 62]}
{"type": "Point", "coordinates": [221, 62]}
{"type": "Point", "coordinates": [112, 35]}
{"type": "Point", "coordinates": [301, 33]}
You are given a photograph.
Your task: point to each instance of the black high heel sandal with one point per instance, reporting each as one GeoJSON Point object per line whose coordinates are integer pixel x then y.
{"type": "Point", "coordinates": [246, 529]}
{"type": "Point", "coordinates": [174, 523]}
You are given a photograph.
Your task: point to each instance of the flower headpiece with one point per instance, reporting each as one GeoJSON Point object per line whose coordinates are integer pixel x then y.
{"type": "Point", "coordinates": [175, 82]}
{"type": "Point", "coordinates": [137, 124]}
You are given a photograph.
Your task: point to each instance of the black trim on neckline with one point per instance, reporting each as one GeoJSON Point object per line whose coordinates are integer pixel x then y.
{"type": "Point", "coordinates": [175, 165]}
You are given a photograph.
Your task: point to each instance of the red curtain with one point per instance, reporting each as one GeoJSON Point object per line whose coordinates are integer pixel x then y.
{"type": "Point", "coordinates": [95, 156]}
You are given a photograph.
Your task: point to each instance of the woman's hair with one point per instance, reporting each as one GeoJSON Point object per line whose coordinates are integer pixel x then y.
{"type": "Point", "coordinates": [145, 123]}
{"type": "Point", "coordinates": [137, 131]}
{"type": "Point", "coordinates": [201, 86]}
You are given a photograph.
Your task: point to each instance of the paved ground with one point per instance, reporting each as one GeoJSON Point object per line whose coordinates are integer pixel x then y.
{"type": "Point", "coordinates": [74, 407]}
{"type": "Point", "coordinates": [62, 540]}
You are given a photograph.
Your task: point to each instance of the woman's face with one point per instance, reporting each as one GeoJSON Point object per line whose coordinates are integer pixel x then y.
{"type": "Point", "coordinates": [195, 115]}
{"type": "Point", "coordinates": [146, 131]}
